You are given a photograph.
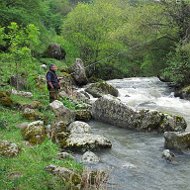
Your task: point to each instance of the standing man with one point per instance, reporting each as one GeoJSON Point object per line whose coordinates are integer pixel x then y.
{"type": "Point", "coordinates": [53, 82]}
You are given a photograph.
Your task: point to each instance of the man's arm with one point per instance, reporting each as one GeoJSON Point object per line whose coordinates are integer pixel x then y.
{"type": "Point", "coordinates": [50, 84]}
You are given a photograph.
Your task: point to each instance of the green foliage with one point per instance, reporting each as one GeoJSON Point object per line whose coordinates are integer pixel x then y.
{"type": "Point", "coordinates": [91, 27]}
{"type": "Point", "coordinates": [18, 58]}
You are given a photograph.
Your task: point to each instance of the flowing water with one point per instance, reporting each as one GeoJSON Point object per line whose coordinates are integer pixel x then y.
{"type": "Point", "coordinates": [135, 161]}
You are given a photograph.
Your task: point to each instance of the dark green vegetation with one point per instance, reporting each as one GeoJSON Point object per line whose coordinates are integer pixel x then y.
{"type": "Point", "coordinates": [126, 38]}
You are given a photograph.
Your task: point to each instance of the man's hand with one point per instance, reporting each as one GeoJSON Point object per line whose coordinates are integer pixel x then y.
{"type": "Point", "coordinates": [51, 85]}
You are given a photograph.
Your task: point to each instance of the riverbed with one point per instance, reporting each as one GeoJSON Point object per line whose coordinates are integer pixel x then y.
{"type": "Point", "coordinates": [135, 160]}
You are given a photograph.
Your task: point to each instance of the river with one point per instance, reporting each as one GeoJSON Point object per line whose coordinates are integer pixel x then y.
{"type": "Point", "coordinates": [135, 161]}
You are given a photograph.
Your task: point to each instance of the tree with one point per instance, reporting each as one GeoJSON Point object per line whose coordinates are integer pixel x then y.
{"type": "Point", "coordinates": [18, 59]}
{"type": "Point", "coordinates": [91, 28]}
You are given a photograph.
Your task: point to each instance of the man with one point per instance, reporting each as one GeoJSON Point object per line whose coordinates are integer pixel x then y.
{"type": "Point", "coordinates": [53, 83]}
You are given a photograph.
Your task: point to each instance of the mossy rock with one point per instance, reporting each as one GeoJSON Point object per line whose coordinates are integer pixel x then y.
{"type": "Point", "coordinates": [32, 114]}
{"type": "Point", "coordinates": [8, 149]}
{"type": "Point", "coordinates": [70, 177]}
{"type": "Point", "coordinates": [101, 88]}
{"type": "Point", "coordinates": [186, 90]}
{"type": "Point", "coordinates": [5, 99]}
{"type": "Point", "coordinates": [34, 134]}
{"type": "Point", "coordinates": [83, 115]}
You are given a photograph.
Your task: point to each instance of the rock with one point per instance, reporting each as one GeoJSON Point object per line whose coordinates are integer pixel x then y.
{"type": "Point", "coordinates": [8, 149]}
{"type": "Point", "coordinates": [183, 93]}
{"type": "Point", "coordinates": [79, 73]}
{"type": "Point", "coordinates": [90, 158]}
{"type": "Point", "coordinates": [110, 110]}
{"type": "Point", "coordinates": [55, 51]}
{"type": "Point", "coordinates": [81, 138]}
{"type": "Point", "coordinates": [44, 66]}
{"type": "Point", "coordinates": [63, 113]}
{"type": "Point", "coordinates": [65, 155]}
{"type": "Point", "coordinates": [83, 142]}
{"type": "Point", "coordinates": [18, 81]}
{"type": "Point", "coordinates": [22, 125]}
{"type": "Point", "coordinates": [83, 115]}
{"type": "Point", "coordinates": [94, 177]}
{"type": "Point", "coordinates": [22, 93]}
{"type": "Point", "coordinates": [32, 114]}
{"type": "Point", "coordinates": [34, 133]}
{"type": "Point", "coordinates": [58, 133]}
{"type": "Point", "coordinates": [79, 127]}
{"type": "Point", "coordinates": [66, 174]}
{"type": "Point", "coordinates": [5, 99]}
{"type": "Point", "coordinates": [168, 155]}
{"type": "Point", "coordinates": [101, 88]}
{"type": "Point", "coordinates": [177, 141]}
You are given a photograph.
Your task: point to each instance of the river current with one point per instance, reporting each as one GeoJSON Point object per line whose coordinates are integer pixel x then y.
{"type": "Point", "coordinates": [135, 161]}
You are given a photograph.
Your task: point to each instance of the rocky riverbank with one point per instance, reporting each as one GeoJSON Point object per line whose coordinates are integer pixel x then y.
{"type": "Point", "coordinates": [63, 122]}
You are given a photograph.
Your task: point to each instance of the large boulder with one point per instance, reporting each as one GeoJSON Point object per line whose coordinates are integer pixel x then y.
{"type": "Point", "coordinates": [183, 93]}
{"type": "Point", "coordinates": [79, 73]}
{"type": "Point", "coordinates": [81, 138]}
{"type": "Point", "coordinates": [62, 113]}
{"type": "Point", "coordinates": [8, 149]}
{"type": "Point", "coordinates": [34, 133]}
{"type": "Point", "coordinates": [5, 99]}
{"type": "Point", "coordinates": [55, 51]}
{"type": "Point", "coordinates": [83, 115]}
{"type": "Point", "coordinates": [177, 141]}
{"type": "Point", "coordinates": [101, 88]}
{"type": "Point", "coordinates": [111, 110]}
{"type": "Point", "coordinates": [87, 141]}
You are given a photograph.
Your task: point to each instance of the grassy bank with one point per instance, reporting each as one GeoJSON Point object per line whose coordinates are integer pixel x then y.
{"type": "Point", "coordinates": [26, 171]}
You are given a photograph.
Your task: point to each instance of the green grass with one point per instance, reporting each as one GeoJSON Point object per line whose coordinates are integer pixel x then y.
{"type": "Point", "coordinates": [30, 163]}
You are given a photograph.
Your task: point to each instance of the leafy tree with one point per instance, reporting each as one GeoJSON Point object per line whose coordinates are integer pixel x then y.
{"type": "Point", "coordinates": [18, 59]}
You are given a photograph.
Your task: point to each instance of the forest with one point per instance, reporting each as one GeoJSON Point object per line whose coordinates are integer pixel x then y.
{"type": "Point", "coordinates": [125, 37]}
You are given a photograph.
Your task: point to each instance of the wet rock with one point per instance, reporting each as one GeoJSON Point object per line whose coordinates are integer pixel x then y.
{"type": "Point", "coordinates": [22, 93]}
{"type": "Point", "coordinates": [168, 155]}
{"type": "Point", "coordinates": [79, 127]}
{"type": "Point", "coordinates": [101, 88]}
{"type": "Point", "coordinates": [83, 115]}
{"type": "Point", "coordinates": [8, 149]}
{"type": "Point", "coordinates": [66, 174]}
{"type": "Point", "coordinates": [81, 138]}
{"type": "Point", "coordinates": [111, 110]}
{"type": "Point", "coordinates": [79, 73]}
{"type": "Point", "coordinates": [90, 158]}
{"type": "Point", "coordinates": [62, 113]}
{"type": "Point", "coordinates": [55, 51]}
{"type": "Point", "coordinates": [34, 133]}
{"type": "Point", "coordinates": [5, 99]}
{"type": "Point", "coordinates": [183, 93]}
{"type": "Point", "coordinates": [177, 141]}
{"type": "Point", "coordinates": [65, 155]}
{"type": "Point", "coordinates": [83, 142]}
